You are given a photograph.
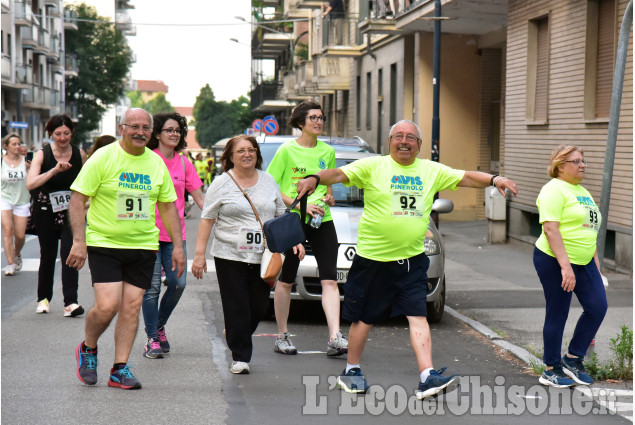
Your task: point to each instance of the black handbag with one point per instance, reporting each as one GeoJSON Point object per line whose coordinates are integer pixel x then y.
{"type": "Point", "coordinates": [287, 230]}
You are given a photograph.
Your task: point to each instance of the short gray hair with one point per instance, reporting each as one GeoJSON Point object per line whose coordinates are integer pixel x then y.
{"type": "Point", "coordinates": [404, 122]}
{"type": "Point", "coordinates": [123, 118]}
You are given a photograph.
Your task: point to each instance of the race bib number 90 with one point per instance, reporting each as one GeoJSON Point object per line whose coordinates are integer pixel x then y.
{"type": "Point", "coordinates": [250, 240]}
{"type": "Point", "coordinates": [407, 204]}
{"type": "Point", "coordinates": [133, 206]}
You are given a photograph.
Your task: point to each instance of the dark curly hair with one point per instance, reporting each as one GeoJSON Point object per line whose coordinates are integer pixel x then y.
{"type": "Point", "coordinates": [159, 122]}
{"type": "Point", "coordinates": [299, 113]}
{"type": "Point", "coordinates": [225, 158]}
{"type": "Point", "coordinates": [57, 121]}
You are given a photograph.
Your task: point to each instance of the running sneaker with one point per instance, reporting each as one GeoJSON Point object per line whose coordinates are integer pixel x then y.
{"type": "Point", "coordinates": [152, 349]}
{"type": "Point", "coordinates": [86, 364]}
{"type": "Point", "coordinates": [18, 262]}
{"type": "Point", "coordinates": [73, 310]}
{"type": "Point", "coordinates": [240, 368]}
{"type": "Point", "coordinates": [123, 379]}
{"type": "Point", "coordinates": [283, 345]}
{"type": "Point", "coordinates": [434, 384]}
{"type": "Point", "coordinates": [556, 378]}
{"type": "Point", "coordinates": [338, 346]}
{"type": "Point", "coordinates": [574, 367]}
{"type": "Point", "coordinates": [10, 270]}
{"type": "Point", "coordinates": [163, 340]}
{"type": "Point", "coordinates": [43, 307]}
{"type": "Point", "coordinates": [352, 381]}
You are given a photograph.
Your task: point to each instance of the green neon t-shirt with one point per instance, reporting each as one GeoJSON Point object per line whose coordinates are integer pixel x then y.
{"type": "Point", "coordinates": [397, 204]}
{"type": "Point", "coordinates": [123, 191]}
{"type": "Point", "coordinates": [573, 207]}
{"type": "Point", "coordinates": [293, 162]}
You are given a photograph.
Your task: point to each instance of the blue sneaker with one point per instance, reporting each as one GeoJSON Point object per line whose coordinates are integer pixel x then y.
{"type": "Point", "coordinates": [86, 365]}
{"type": "Point", "coordinates": [123, 379]}
{"type": "Point", "coordinates": [434, 384]}
{"type": "Point", "coordinates": [353, 381]}
{"type": "Point", "coordinates": [575, 369]}
{"type": "Point", "coordinates": [556, 378]}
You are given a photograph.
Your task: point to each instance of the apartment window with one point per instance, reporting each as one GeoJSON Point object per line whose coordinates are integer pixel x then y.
{"type": "Point", "coordinates": [358, 103]}
{"type": "Point", "coordinates": [393, 93]}
{"type": "Point", "coordinates": [601, 38]}
{"type": "Point", "coordinates": [369, 88]}
{"type": "Point", "coordinates": [538, 71]}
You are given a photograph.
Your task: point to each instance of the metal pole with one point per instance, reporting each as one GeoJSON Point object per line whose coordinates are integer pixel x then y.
{"type": "Point", "coordinates": [436, 75]}
{"type": "Point", "coordinates": [614, 120]}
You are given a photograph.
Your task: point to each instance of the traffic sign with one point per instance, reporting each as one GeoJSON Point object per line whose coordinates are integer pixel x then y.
{"type": "Point", "coordinates": [18, 124]}
{"type": "Point", "coordinates": [269, 117]}
{"type": "Point", "coordinates": [256, 125]}
{"type": "Point", "coordinates": [250, 131]}
{"type": "Point", "coordinates": [270, 127]}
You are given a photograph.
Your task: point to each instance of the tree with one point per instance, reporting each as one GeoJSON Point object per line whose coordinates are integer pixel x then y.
{"type": "Point", "coordinates": [103, 59]}
{"type": "Point", "coordinates": [216, 120]}
{"type": "Point", "coordinates": [157, 105]}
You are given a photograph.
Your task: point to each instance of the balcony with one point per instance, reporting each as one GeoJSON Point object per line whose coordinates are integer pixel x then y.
{"type": "Point", "coordinates": [40, 97]}
{"type": "Point", "coordinates": [331, 73]}
{"type": "Point", "coordinates": [292, 11]}
{"type": "Point", "coordinates": [43, 41]}
{"type": "Point", "coordinates": [23, 15]}
{"type": "Point", "coordinates": [29, 37]}
{"type": "Point", "coordinates": [70, 20]}
{"type": "Point", "coordinates": [271, 41]}
{"type": "Point", "coordinates": [51, 2]}
{"type": "Point", "coordinates": [6, 68]}
{"type": "Point", "coordinates": [70, 66]}
{"type": "Point", "coordinates": [124, 24]}
{"type": "Point", "coordinates": [23, 74]}
{"type": "Point", "coordinates": [340, 37]}
{"type": "Point", "coordinates": [375, 22]}
{"type": "Point", "coordinates": [54, 12]}
{"type": "Point", "coordinates": [265, 97]}
{"type": "Point", "coordinates": [309, 4]}
{"type": "Point", "coordinates": [53, 53]}
{"type": "Point", "coordinates": [288, 91]}
{"type": "Point", "coordinates": [304, 81]}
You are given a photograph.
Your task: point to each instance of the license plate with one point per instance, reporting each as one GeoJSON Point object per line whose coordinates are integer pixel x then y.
{"type": "Point", "coordinates": [342, 275]}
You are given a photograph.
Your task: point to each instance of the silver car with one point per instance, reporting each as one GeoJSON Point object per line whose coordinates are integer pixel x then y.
{"type": "Point", "coordinates": [349, 205]}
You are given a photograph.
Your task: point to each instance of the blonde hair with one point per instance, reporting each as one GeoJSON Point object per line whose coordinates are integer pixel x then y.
{"type": "Point", "coordinates": [559, 157]}
{"type": "Point", "coordinates": [5, 139]}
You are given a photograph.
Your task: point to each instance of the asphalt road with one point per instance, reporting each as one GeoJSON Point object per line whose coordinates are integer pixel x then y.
{"type": "Point", "coordinates": [193, 383]}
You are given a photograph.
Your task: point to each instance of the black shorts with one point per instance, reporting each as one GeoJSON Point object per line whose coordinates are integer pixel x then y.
{"type": "Point", "coordinates": [324, 246]}
{"type": "Point", "coordinates": [374, 286]}
{"type": "Point", "coordinates": [134, 266]}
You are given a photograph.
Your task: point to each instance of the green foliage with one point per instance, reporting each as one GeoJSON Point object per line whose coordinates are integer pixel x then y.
{"type": "Point", "coordinates": [136, 100]}
{"type": "Point", "coordinates": [215, 120]}
{"type": "Point", "coordinates": [622, 348]}
{"type": "Point", "coordinates": [157, 105]}
{"type": "Point", "coordinates": [537, 366]}
{"type": "Point", "coordinates": [104, 60]}
{"type": "Point", "coordinates": [596, 370]}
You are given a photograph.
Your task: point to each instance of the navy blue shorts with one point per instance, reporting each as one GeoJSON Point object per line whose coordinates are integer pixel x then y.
{"type": "Point", "coordinates": [374, 286]}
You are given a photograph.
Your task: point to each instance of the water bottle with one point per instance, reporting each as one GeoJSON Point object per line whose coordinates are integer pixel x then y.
{"type": "Point", "coordinates": [317, 220]}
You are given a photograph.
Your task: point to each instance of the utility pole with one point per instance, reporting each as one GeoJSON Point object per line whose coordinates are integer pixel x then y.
{"type": "Point", "coordinates": [436, 73]}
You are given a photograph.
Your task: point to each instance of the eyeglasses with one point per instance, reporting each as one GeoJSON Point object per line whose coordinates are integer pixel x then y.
{"type": "Point", "coordinates": [171, 131]}
{"type": "Point", "coordinates": [409, 137]}
{"type": "Point", "coordinates": [316, 118]}
{"type": "Point", "coordinates": [250, 151]}
{"type": "Point", "coordinates": [137, 127]}
{"type": "Point", "coordinates": [578, 161]}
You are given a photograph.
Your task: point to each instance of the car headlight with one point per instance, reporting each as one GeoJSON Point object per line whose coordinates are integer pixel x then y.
{"type": "Point", "coordinates": [431, 244]}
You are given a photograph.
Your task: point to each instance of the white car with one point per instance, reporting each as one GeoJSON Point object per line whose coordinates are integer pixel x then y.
{"type": "Point", "coordinates": [349, 205]}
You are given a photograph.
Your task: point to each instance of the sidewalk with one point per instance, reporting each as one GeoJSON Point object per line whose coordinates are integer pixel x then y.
{"type": "Point", "coordinates": [497, 286]}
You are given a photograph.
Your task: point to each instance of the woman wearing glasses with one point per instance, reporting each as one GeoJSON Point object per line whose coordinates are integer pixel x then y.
{"type": "Point", "coordinates": [53, 170]}
{"type": "Point", "coordinates": [566, 260]}
{"type": "Point", "coordinates": [238, 243]}
{"type": "Point", "coordinates": [294, 160]}
{"type": "Point", "coordinates": [167, 140]}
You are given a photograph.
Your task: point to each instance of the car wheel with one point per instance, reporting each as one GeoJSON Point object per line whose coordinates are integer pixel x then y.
{"type": "Point", "coordinates": [435, 308]}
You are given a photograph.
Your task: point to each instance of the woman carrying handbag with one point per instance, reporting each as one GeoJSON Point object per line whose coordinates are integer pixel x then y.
{"type": "Point", "coordinates": [238, 242]}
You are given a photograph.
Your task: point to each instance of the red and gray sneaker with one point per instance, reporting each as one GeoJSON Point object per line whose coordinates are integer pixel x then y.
{"type": "Point", "coordinates": [123, 379]}
{"type": "Point", "coordinates": [163, 340]}
{"type": "Point", "coordinates": [86, 364]}
{"type": "Point", "coordinates": [152, 349]}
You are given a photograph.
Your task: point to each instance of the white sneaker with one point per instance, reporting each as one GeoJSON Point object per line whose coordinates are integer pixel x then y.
{"type": "Point", "coordinates": [18, 262]}
{"type": "Point", "coordinates": [10, 270]}
{"type": "Point", "coordinates": [73, 310]}
{"type": "Point", "coordinates": [43, 306]}
{"type": "Point", "coordinates": [240, 368]}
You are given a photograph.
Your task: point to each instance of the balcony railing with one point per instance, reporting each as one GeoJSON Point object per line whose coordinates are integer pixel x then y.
{"type": "Point", "coordinates": [6, 67]}
{"type": "Point", "coordinates": [23, 74]}
{"type": "Point", "coordinates": [333, 32]}
{"type": "Point", "coordinates": [267, 90]}
{"type": "Point", "coordinates": [331, 73]}
{"type": "Point", "coordinates": [70, 20]}
{"type": "Point", "coordinates": [42, 97]}
{"type": "Point", "coordinates": [70, 65]}
{"type": "Point", "coordinates": [22, 13]}
{"type": "Point", "coordinates": [29, 37]}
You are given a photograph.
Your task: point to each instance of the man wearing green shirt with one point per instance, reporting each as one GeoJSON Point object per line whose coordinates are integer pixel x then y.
{"type": "Point", "coordinates": [124, 182]}
{"type": "Point", "coordinates": [390, 267]}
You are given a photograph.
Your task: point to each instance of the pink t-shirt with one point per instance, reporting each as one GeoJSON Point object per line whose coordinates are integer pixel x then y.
{"type": "Point", "coordinates": [183, 179]}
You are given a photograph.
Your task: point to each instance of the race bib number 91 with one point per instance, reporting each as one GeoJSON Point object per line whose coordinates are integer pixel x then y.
{"type": "Point", "coordinates": [133, 206]}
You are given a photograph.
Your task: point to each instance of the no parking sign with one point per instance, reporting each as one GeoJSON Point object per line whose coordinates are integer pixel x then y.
{"type": "Point", "coordinates": [256, 125]}
{"type": "Point", "coordinates": [270, 126]}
